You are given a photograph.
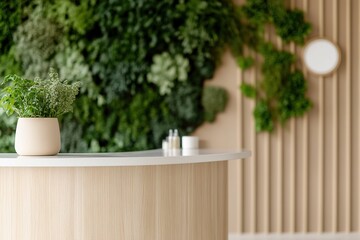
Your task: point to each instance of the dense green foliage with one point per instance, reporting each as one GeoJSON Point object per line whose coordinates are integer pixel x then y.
{"type": "Point", "coordinates": [52, 97]}
{"type": "Point", "coordinates": [291, 100]}
{"type": "Point", "coordinates": [9, 22]}
{"type": "Point", "coordinates": [141, 64]}
{"type": "Point", "coordinates": [281, 93]}
{"type": "Point", "coordinates": [289, 24]}
{"type": "Point", "coordinates": [214, 100]}
{"type": "Point", "coordinates": [263, 117]}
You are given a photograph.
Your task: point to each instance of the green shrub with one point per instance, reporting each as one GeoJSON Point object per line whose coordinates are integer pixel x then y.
{"type": "Point", "coordinates": [214, 101]}
{"type": "Point", "coordinates": [37, 98]}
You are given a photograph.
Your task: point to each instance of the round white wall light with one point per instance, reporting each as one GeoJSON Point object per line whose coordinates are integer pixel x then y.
{"type": "Point", "coordinates": [321, 56]}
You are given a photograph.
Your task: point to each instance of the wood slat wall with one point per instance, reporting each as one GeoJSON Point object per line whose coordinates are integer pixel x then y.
{"type": "Point", "coordinates": [303, 177]}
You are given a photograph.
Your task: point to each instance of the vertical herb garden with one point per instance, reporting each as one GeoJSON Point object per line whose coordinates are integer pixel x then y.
{"type": "Point", "coordinates": [142, 64]}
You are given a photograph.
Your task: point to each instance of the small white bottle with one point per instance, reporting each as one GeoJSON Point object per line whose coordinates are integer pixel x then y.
{"type": "Point", "coordinates": [176, 140]}
{"type": "Point", "coordinates": [171, 140]}
{"type": "Point", "coordinates": [165, 144]}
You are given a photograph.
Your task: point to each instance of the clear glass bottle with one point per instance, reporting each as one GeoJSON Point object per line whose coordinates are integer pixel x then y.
{"type": "Point", "coordinates": [176, 140]}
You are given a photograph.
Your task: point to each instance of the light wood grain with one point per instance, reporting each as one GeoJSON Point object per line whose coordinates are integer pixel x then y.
{"type": "Point", "coordinates": [280, 169]}
{"type": "Point", "coordinates": [305, 157]}
{"type": "Point", "coordinates": [348, 120]}
{"type": "Point", "coordinates": [240, 167]}
{"type": "Point", "coordinates": [150, 202]}
{"type": "Point", "coordinates": [334, 222]}
{"type": "Point", "coordinates": [253, 206]}
{"type": "Point", "coordinates": [321, 131]}
{"type": "Point", "coordinates": [292, 157]}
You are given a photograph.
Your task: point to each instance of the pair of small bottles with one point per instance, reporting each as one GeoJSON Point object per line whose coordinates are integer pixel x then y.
{"type": "Point", "coordinates": [172, 141]}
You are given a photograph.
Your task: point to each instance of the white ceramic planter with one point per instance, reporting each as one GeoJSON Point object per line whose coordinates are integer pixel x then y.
{"type": "Point", "coordinates": [37, 136]}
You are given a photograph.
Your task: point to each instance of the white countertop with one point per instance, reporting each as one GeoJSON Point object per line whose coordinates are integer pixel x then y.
{"type": "Point", "coordinates": [140, 158]}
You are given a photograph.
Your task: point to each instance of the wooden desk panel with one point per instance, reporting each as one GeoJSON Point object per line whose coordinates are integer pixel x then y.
{"type": "Point", "coordinates": [168, 202]}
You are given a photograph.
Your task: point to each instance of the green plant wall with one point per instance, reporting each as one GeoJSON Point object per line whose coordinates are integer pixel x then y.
{"type": "Point", "coordinates": [142, 64]}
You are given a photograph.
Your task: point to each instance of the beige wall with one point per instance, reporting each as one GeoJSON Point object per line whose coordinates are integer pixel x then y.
{"type": "Point", "coordinates": [303, 177]}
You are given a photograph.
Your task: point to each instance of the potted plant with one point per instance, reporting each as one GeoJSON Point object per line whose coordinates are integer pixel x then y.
{"type": "Point", "coordinates": [38, 104]}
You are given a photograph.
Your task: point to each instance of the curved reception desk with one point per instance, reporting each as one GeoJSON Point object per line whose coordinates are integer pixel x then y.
{"type": "Point", "coordinates": [152, 195]}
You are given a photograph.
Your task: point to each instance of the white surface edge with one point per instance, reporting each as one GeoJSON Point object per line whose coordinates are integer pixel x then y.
{"type": "Point", "coordinates": [296, 236]}
{"type": "Point", "coordinates": [141, 158]}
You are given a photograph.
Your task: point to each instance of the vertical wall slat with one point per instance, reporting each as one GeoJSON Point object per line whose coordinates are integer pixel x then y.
{"type": "Point", "coordinates": [321, 157]}
{"type": "Point", "coordinates": [266, 200]}
{"type": "Point", "coordinates": [280, 188]}
{"type": "Point", "coordinates": [348, 119]}
{"type": "Point", "coordinates": [292, 177]}
{"type": "Point", "coordinates": [240, 176]}
{"type": "Point", "coordinates": [321, 131]}
{"type": "Point", "coordinates": [253, 168]}
{"type": "Point", "coordinates": [292, 155]}
{"type": "Point", "coordinates": [334, 225]}
{"type": "Point", "coordinates": [305, 156]}
{"type": "Point", "coordinates": [359, 111]}
{"type": "Point", "coordinates": [305, 160]}
{"type": "Point", "coordinates": [280, 183]}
